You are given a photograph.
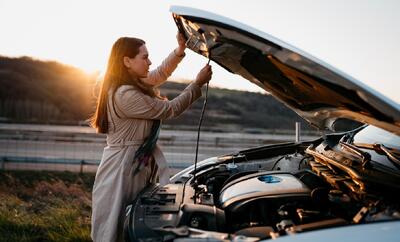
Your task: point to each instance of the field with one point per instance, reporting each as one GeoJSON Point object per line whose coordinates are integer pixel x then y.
{"type": "Point", "coordinates": [45, 206]}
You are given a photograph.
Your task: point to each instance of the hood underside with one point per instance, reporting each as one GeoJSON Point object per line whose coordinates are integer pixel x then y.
{"type": "Point", "coordinates": [313, 89]}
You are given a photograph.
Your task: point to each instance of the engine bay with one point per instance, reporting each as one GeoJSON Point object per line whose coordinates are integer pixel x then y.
{"type": "Point", "coordinates": [265, 193]}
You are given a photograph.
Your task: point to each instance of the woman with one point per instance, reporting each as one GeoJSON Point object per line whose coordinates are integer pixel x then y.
{"type": "Point", "coordinates": [129, 111]}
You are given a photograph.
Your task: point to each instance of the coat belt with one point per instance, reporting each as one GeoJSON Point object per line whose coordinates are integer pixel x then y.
{"type": "Point", "coordinates": [126, 143]}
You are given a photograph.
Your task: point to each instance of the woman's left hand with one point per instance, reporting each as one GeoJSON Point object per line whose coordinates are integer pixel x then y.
{"type": "Point", "coordinates": [181, 43]}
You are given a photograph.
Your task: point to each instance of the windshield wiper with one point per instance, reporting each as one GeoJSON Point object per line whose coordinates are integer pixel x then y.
{"type": "Point", "coordinates": [365, 157]}
{"type": "Point", "coordinates": [392, 154]}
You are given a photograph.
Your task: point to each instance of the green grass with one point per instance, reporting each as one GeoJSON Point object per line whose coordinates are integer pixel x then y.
{"type": "Point", "coordinates": [45, 206]}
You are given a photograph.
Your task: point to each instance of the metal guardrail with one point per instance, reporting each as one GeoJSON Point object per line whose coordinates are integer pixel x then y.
{"type": "Point", "coordinates": [41, 160]}
{"type": "Point", "coordinates": [36, 147]}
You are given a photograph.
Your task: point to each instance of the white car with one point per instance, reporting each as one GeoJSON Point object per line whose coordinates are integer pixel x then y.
{"type": "Point", "coordinates": [344, 186]}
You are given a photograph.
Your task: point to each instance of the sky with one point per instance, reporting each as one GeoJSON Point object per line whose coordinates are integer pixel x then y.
{"type": "Point", "coordinates": [358, 37]}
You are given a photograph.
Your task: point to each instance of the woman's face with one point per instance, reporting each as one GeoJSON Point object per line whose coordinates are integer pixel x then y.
{"type": "Point", "coordinates": [138, 66]}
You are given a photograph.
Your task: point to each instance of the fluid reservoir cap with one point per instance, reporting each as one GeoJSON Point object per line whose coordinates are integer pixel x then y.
{"type": "Point", "coordinates": [231, 166]}
{"type": "Point", "coordinates": [270, 179]}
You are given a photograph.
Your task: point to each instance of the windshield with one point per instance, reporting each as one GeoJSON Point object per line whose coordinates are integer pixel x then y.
{"type": "Point", "coordinates": [374, 135]}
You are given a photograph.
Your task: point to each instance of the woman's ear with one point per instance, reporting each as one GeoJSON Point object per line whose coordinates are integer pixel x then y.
{"type": "Point", "coordinates": [127, 61]}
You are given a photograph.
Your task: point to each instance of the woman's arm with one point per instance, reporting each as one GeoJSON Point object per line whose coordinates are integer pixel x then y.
{"type": "Point", "coordinates": [160, 75]}
{"type": "Point", "coordinates": [132, 103]}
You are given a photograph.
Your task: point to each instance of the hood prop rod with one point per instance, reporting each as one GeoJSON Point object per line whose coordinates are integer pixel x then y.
{"type": "Point", "coordinates": [198, 139]}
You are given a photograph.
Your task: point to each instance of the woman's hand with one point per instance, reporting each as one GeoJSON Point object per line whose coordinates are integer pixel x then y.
{"type": "Point", "coordinates": [180, 38]}
{"type": "Point", "coordinates": [204, 75]}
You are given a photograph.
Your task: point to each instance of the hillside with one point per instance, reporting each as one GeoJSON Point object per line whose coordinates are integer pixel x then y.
{"type": "Point", "coordinates": [43, 92]}
{"type": "Point", "coordinates": [35, 91]}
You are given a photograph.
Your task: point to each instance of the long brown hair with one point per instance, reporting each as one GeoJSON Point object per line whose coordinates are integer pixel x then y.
{"type": "Point", "coordinates": [117, 75]}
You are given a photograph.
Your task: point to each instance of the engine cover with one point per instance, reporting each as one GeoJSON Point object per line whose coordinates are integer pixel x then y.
{"type": "Point", "coordinates": [159, 208]}
{"type": "Point", "coordinates": [262, 185]}
{"type": "Point", "coordinates": [155, 207]}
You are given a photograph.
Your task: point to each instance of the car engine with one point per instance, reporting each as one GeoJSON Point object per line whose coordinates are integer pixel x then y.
{"type": "Point", "coordinates": [263, 194]}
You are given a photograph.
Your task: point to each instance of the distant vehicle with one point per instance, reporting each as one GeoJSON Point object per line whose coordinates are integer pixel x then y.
{"type": "Point", "coordinates": [344, 186]}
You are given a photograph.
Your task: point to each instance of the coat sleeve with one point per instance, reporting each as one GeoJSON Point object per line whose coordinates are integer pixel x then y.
{"type": "Point", "coordinates": [159, 76]}
{"type": "Point", "coordinates": [132, 103]}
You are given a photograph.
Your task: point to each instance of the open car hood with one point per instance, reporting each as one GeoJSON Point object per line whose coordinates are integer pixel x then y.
{"type": "Point", "coordinates": [313, 89]}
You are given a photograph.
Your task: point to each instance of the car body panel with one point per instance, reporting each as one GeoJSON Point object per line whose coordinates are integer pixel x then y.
{"type": "Point", "coordinates": [318, 92]}
{"type": "Point", "coordinates": [383, 231]}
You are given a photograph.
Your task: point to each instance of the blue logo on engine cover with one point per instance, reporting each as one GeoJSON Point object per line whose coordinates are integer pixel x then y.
{"type": "Point", "coordinates": [270, 179]}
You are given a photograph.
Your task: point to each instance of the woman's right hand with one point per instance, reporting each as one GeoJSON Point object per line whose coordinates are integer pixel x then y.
{"type": "Point", "coordinates": [204, 75]}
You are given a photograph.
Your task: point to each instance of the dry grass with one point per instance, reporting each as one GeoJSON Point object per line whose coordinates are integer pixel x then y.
{"type": "Point", "coordinates": [45, 206]}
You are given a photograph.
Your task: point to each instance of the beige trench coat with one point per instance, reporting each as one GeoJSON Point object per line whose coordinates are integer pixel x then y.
{"type": "Point", "coordinates": [115, 186]}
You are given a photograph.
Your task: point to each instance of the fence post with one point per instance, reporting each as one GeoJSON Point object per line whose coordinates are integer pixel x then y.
{"type": "Point", "coordinates": [3, 160]}
{"type": "Point", "coordinates": [297, 132]}
{"type": "Point", "coordinates": [216, 141]}
{"type": "Point", "coordinates": [81, 168]}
